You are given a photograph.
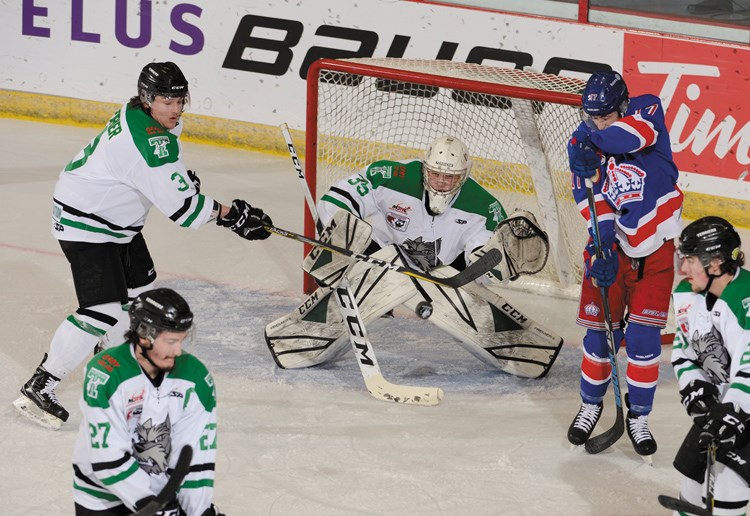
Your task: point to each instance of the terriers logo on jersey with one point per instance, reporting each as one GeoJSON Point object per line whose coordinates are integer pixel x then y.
{"type": "Point", "coordinates": [624, 183]}
{"type": "Point", "coordinates": [497, 212]}
{"type": "Point", "coordinates": [383, 171]}
{"type": "Point", "coordinates": [397, 221]}
{"type": "Point", "coordinates": [159, 143]}
{"type": "Point", "coordinates": [95, 378]}
{"type": "Point", "coordinates": [424, 254]}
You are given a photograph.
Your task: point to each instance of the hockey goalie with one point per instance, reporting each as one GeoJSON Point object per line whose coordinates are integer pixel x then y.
{"type": "Point", "coordinates": [426, 214]}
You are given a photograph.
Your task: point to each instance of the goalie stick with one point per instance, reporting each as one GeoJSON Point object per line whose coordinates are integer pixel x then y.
{"type": "Point", "coordinates": [169, 491]}
{"type": "Point", "coordinates": [477, 268]}
{"type": "Point", "coordinates": [610, 436]}
{"type": "Point", "coordinates": [377, 386]}
{"type": "Point", "coordinates": [678, 505]}
{"type": "Point", "coordinates": [301, 175]}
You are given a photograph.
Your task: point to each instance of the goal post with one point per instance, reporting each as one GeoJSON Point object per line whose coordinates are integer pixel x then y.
{"type": "Point", "coordinates": [516, 124]}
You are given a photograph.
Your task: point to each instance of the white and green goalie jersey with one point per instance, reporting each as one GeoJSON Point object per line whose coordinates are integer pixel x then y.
{"type": "Point", "coordinates": [106, 192]}
{"type": "Point", "coordinates": [712, 341]}
{"type": "Point", "coordinates": [132, 432]}
{"type": "Point", "coordinates": [390, 196]}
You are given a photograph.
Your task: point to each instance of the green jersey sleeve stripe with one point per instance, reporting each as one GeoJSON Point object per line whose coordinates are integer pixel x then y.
{"type": "Point", "coordinates": [338, 203]}
{"type": "Point", "coordinates": [121, 476]}
{"type": "Point", "coordinates": [98, 494]}
{"type": "Point", "coordinates": [92, 229]}
{"type": "Point", "coordinates": [196, 212]}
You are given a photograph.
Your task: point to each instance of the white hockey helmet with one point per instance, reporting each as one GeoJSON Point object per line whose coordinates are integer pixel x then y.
{"type": "Point", "coordinates": [446, 167]}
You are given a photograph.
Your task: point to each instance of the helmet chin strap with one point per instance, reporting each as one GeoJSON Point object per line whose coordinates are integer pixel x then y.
{"type": "Point", "coordinates": [144, 352]}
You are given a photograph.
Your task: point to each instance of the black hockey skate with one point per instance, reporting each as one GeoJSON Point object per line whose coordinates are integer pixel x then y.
{"type": "Point", "coordinates": [584, 422]}
{"type": "Point", "coordinates": [643, 442]}
{"type": "Point", "coordinates": [39, 401]}
{"type": "Point", "coordinates": [640, 435]}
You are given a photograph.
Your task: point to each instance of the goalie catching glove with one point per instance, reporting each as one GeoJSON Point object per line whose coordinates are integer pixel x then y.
{"type": "Point", "coordinates": [246, 221]}
{"type": "Point", "coordinates": [523, 245]}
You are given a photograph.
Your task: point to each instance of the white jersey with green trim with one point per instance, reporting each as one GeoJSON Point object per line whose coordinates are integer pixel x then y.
{"type": "Point", "coordinates": [105, 193]}
{"type": "Point", "coordinates": [712, 339]}
{"type": "Point", "coordinates": [391, 197]}
{"type": "Point", "coordinates": [132, 430]}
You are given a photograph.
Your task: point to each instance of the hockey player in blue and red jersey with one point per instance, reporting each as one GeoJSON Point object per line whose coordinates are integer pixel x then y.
{"type": "Point", "coordinates": [624, 147]}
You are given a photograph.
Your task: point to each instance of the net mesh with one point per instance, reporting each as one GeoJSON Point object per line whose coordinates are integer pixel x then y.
{"type": "Point", "coordinates": [515, 123]}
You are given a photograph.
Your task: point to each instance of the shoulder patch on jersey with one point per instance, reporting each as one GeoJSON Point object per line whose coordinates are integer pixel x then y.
{"type": "Point", "coordinates": [105, 372]}
{"type": "Point", "coordinates": [736, 297]}
{"type": "Point", "coordinates": [404, 177]}
{"type": "Point", "coordinates": [156, 144]}
{"type": "Point", "coordinates": [473, 198]}
{"type": "Point", "coordinates": [188, 367]}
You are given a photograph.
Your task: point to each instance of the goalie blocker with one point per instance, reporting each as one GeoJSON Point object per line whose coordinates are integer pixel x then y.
{"type": "Point", "coordinates": [477, 315]}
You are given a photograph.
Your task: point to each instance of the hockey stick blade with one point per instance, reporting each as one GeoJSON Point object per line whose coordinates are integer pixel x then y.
{"type": "Point", "coordinates": [601, 442]}
{"type": "Point", "coordinates": [382, 389]}
{"type": "Point", "coordinates": [477, 268]}
{"type": "Point", "coordinates": [376, 384]}
{"type": "Point", "coordinates": [682, 506]}
{"type": "Point", "coordinates": [168, 493]}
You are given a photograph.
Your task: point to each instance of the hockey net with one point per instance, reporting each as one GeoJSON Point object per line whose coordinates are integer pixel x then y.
{"type": "Point", "coordinates": [515, 123]}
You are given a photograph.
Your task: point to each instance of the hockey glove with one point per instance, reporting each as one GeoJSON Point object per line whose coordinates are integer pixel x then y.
{"type": "Point", "coordinates": [723, 426]}
{"type": "Point", "coordinates": [698, 398]}
{"type": "Point", "coordinates": [582, 155]}
{"type": "Point", "coordinates": [603, 272]}
{"type": "Point", "coordinates": [195, 179]}
{"type": "Point", "coordinates": [246, 221]}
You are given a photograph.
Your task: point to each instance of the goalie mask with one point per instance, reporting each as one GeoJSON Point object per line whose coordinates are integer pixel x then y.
{"type": "Point", "coordinates": [446, 167]}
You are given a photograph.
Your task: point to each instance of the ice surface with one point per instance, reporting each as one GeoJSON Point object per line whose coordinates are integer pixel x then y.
{"type": "Point", "coordinates": [309, 442]}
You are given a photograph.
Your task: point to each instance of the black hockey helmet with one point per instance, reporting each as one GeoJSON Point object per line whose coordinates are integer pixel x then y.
{"type": "Point", "coordinates": [712, 237]}
{"type": "Point", "coordinates": [158, 310]}
{"type": "Point", "coordinates": [164, 79]}
{"type": "Point", "coordinates": [605, 93]}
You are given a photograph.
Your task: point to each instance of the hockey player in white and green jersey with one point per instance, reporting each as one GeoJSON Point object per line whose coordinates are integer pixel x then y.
{"type": "Point", "coordinates": [433, 210]}
{"type": "Point", "coordinates": [100, 205]}
{"type": "Point", "coordinates": [428, 214]}
{"type": "Point", "coordinates": [711, 359]}
{"type": "Point", "coordinates": [143, 401]}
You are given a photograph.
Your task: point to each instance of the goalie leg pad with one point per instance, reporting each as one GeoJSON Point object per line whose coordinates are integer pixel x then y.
{"type": "Point", "coordinates": [492, 329]}
{"type": "Point", "coordinates": [344, 230]}
{"type": "Point", "coordinates": [314, 333]}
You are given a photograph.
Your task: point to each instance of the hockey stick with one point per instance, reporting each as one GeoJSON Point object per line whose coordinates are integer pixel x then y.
{"type": "Point", "coordinates": [470, 273]}
{"type": "Point", "coordinates": [679, 505]}
{"type": "Point", "coordinates": [378, 386]}
{"type": "Point", "coordinates": [169, 491]}
{"type": "Point", "coordinates": [610, 436]}
{"type": "Point", "coordinates": [301, 175]}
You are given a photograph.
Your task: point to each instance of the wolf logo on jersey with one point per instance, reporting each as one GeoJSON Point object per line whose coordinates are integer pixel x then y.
{"type": "Point", "coordinates": [712, 355]}
{"type": "Point", "coordinates": [424, 254]}
{"type": "Point", "coordinates": [153, 446]}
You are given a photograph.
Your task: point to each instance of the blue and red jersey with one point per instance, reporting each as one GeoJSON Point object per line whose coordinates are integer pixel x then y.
{"type": "Point", "coordinates": [638, 202]}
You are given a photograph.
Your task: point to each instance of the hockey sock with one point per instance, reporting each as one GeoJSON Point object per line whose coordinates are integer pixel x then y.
{"type": "Point", "coordinates": [76, 337]}
{"type": "Point", "coordinates": [116, 335]}
{"type": "Point", "coordinates": [596, 369]}
{"type": "Point", "coordinates": [644, 349]}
